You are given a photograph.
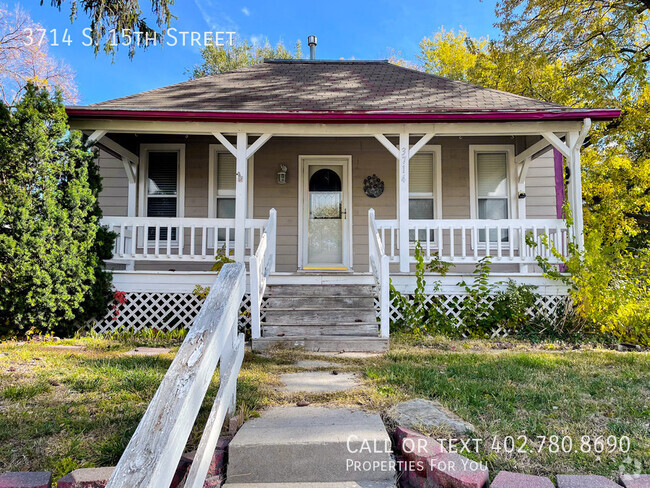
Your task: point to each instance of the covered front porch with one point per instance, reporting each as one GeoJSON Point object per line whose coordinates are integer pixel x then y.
{"type": "Point", "coordinates": [481, 192]}
{"type": "Point", "coordinates": [465, 191]}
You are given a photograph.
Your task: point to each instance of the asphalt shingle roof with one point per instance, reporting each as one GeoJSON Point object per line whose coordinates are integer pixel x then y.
{"type": "Point", "coordinates": [277, 86]}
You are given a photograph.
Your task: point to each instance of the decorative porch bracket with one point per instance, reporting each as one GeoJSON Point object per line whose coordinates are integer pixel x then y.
{"type": "Point", "coordinates": [242, 152]}
{"type": "Point", "coordinates": [403, 154]}
{"type": "Point", "coordinates": [571, 151]}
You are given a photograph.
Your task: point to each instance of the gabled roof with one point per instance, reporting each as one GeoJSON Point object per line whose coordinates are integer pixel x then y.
{"type": "Point", "coordinates": [330, 90]}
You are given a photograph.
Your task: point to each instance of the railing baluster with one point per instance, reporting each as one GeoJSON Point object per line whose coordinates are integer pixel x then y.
{"type": "Point", "coordinates": [169, 241]}
{"type": "Point", "coordinates": [428, 241]}
{"type": "Point", "coordinates": [511, 244]}
{"type": "Point", "coordinates": [120, 248]}
{"type": "Point", "coordinates": [463, 243]}
{"type": "Point", "coordinates": [451, 243]}
{"type": "Point", "coordinates": [487, 241]}
{"type": "Point", "coordinates": [157, 241]}
{"type": "Point", "coordinates": [499, 237]}
{"type": "Point", "coordinates": [204, 242]}
{"type": "Point", "coordinates": [550, 242]}
{"type": "Point", "coordinates": [440, 243]}
{"type": "Point", "coordinates": [181, 240]}
{"type": "Point", "coordinates": [192, 240]}
{"type": "Point", "coordinates": [134, 248]}
{"type": "Point", "coordinates": [475, 240]}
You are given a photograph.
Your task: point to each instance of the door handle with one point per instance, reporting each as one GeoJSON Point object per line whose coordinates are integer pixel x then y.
{"type": "Point", "coordinates": [344, 213]}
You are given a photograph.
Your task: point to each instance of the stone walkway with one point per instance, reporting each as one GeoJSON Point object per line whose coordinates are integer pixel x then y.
{"type": "Point", "coordinates": [311, 444]}
{"type": "Point", "coordinates": [318, 382]}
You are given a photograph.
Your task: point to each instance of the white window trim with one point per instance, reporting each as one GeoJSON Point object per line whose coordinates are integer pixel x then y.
{"type": "Point", "coordinates": [212, 181]}
{"type": "Point", "coordinates": [143, 174]}
{"type": "Point", "coordinates": [436, 149]}
{"type": "Point", "coordinates": [437, 171]}
{"type": "Point", "coordinates": [509, 149]}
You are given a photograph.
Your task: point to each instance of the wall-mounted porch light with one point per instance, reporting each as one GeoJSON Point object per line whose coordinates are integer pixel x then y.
{"type": "Point", "coordinates": [282, 175]}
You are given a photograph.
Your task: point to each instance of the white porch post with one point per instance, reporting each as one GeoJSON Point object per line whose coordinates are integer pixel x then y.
{"type": "Point", "coordinates": [242, 153]}
{"type": "Point", "coordinates": [131, 174]}
{"type": "Point", "coordinates": [241, 187]}
{"type": "Point", "coordinates": [403, 207]}
{"type": "Point", "coordinates": [575, 188]}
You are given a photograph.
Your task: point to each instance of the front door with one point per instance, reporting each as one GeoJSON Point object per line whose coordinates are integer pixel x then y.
{"type": "Point", "coordinates": [325, 219]}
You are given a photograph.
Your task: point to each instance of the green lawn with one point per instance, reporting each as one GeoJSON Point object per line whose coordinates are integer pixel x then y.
{"type": "Point", "coordinates": [60, 410]}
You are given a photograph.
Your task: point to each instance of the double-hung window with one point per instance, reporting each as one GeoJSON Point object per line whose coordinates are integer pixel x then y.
{"type": "Point", "coordinates": [422, 191]}
{"type": "Point", "coordinates": [162, 189]}
{"type": "Point", "coordinates": [492, 190]}
{"type": "Point", "coordinates": [225, 173]}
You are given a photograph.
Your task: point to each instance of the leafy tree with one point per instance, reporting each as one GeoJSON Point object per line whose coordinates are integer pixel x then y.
{"type": "Point", "coordinates": [24, 60]}
{"type": "Point", "coordinates": [450, 54]}
{"type": "Point", "coordinates": [221, 59]}
{"type": "Point", "coordinates": [606, 38]}
{"type": "Point", "coordinates": [51, 250]}
{"type": "Point", "coordinates": [121, 17]}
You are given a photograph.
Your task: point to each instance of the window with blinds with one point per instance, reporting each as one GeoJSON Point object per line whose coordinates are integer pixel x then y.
{"type": "Point", "coordinates": [492, 190]}
{"type": "Point", "coordinates": [225, 192]}
{"type": "Point", "coordinates": [162, 188]}
{"type": "Point", "coordinates": [422, 186]}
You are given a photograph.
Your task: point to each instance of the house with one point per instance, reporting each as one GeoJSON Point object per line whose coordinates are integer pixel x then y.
{"type": "Point", "coordinates": [322, 173]}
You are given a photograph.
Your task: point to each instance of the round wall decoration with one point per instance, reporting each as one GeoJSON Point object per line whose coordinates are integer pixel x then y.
{"type": "Point", "coordinates": [373, 186]}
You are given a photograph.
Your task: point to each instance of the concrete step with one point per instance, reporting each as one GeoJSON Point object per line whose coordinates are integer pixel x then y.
{"type": "Point", "coordinates": [280, 316]}
{"type": "Point", "coordinates": [326, 303]}
{"type": "Point", "coordinates": [336, 484]}
{"type": "Point", "coordinates": [310, 444]}
{"type": "Point", "coordinates": [318, 290]}
{"type": "Point", "coordinates": [323, 343]}
{"type": "Point", "coordinates": [370, 330]}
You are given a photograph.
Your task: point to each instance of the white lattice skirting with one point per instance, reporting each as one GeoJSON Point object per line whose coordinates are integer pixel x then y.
{"type": "Point", "coordinates": [450, 304]}
{"type": "Point", "coordinates": [163, 311]}
{"type": "Point", "coordinates": [167, 311]}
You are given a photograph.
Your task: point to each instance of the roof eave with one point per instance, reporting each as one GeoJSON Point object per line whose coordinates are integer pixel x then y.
{"type": "Point", "coordinates": [342, 117]}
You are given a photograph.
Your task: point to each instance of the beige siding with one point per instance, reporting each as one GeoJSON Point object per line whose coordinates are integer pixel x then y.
{"type": "Point", "coordinates": [196, 179]}
{"type": "Point", "coordinates": [540, 188]}
{"type": "Point", "coordinates": [115, 185]}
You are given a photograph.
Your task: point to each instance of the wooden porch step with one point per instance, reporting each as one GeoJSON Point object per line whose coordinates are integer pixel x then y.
{"type": "Point", "coordinates": [319, 316]}
{"type": "Point", "coordinates": [360, 330]}
{"type": "Point", "coordinates": [328, 318]}
{"type": "Point", "coordinates": [319, 291]}
{"type": "Point", "coordinates": [322, 302]}
{"type": "Point", "coordinates": [323, 343]}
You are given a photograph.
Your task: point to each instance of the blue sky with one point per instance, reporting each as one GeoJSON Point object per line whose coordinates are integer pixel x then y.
{"type": "Point", "coordinates": [361, 29]}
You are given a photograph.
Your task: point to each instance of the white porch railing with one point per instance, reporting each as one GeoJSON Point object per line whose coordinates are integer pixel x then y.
{"type": "Point", "coordinates": [152, 455]}
{"type": "Point", "coordinates": [379, 268]}
{"type": "Point", "coordinates": [467, 241]}
{"type": "Point", "coordinates": [261, 265]}
{"type": "Point", "coordinates": [178, 238]}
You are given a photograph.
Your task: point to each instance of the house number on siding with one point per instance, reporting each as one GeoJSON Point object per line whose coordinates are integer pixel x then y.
{"type": "Point", "coordinates": [404, 158]}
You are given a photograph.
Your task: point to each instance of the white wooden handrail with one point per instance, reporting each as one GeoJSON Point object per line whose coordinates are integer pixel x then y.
{"type": "Point", "coordinates": [262, 263]}
{"type": "Point", "coordinates": [379, 263]}
{"type": "Point", "coordinates": [467, 241]}
{"type": "Point", "coordinates": [152, 455]}
{"type": "Point", "coordinates": [177, 238]}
